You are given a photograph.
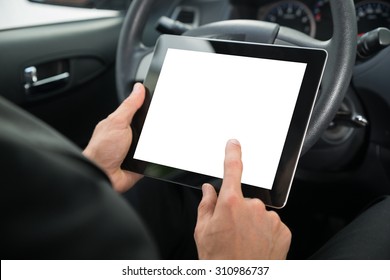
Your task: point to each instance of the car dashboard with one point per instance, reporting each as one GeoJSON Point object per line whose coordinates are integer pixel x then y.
{"type": "Point", "coordinates": [312, 17]}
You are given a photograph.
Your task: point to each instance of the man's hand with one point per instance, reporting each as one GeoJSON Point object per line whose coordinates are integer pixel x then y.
{"type": "Point", "coordinates": [112, 138]}
{"type": "Point", "coordinates": [230, 226]}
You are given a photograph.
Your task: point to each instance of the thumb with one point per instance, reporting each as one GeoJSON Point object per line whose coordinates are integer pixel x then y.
{"type": "Point", "coordinates": [208, 202]}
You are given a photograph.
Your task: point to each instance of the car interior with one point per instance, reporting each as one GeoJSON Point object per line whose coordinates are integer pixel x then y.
{"type": "Point", "coordinates": [71, 62]}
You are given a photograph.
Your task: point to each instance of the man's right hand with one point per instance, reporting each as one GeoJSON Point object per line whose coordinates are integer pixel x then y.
{"type": "Point", "coordinates": [230, 226]}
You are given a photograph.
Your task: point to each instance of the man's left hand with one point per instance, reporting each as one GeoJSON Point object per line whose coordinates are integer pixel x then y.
{"type": "Point", "coordinates": [112, 138]}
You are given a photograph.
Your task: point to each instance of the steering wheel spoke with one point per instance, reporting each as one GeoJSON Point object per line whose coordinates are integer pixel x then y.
{"type": "Point", "coordinates": [291, 37]}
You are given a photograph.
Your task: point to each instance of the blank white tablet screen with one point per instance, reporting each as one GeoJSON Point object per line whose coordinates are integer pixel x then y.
{"type": "Point", "coordinates": [203, 99]}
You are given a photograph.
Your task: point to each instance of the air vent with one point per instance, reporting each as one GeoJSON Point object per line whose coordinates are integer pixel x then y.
{"type": "Point", "coordinates": [186, 14]}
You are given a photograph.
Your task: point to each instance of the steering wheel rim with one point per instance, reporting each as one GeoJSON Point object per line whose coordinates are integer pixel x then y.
{"type": "Point", "coordinates": [338, 72]}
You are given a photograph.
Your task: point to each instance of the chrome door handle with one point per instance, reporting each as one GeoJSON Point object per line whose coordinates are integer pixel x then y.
{"type": "Point", "coordinates": [31, 78]}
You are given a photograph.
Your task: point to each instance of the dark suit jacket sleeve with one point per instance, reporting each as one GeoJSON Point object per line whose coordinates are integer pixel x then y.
{"type": "Point", "coordinates": [55, 204]}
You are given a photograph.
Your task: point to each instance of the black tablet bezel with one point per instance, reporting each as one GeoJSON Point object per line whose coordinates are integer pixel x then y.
{"type": "Point", "coordinates": [277, 196]}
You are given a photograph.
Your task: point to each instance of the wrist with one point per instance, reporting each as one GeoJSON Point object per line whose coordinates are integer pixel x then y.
{"type": "Point", "coordinates": [88, 153]}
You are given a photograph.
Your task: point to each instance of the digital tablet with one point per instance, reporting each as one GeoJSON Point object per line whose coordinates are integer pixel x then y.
{"type": "Point", "coordinates": [203, 92]}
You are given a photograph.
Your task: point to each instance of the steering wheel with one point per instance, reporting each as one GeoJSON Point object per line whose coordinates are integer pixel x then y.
{"type": "Point", "coordinates": [341, 48]}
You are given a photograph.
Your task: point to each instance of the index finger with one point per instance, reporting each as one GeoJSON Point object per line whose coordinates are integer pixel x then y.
{"type": "Point", "coordinates": [232, 169]}
{"type": "Point", "coordinates": [131, 104]}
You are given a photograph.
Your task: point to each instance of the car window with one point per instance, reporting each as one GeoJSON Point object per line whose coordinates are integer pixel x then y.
{"type": "Point", "coordinates": [25, 13]}
{"type": "Point", "coordinates": [92, 4]}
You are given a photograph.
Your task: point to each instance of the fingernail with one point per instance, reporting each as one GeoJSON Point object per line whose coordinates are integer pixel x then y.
{"type": "Point", "coordinates": [136, 87]}
{"type": "Point", "coordinates": [234, 142]}
{"type": "Point", "coordinates": [206, 189]}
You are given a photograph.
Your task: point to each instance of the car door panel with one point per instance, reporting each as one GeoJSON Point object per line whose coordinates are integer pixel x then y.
{"type": "Point", "coordinates": [74, 67]}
